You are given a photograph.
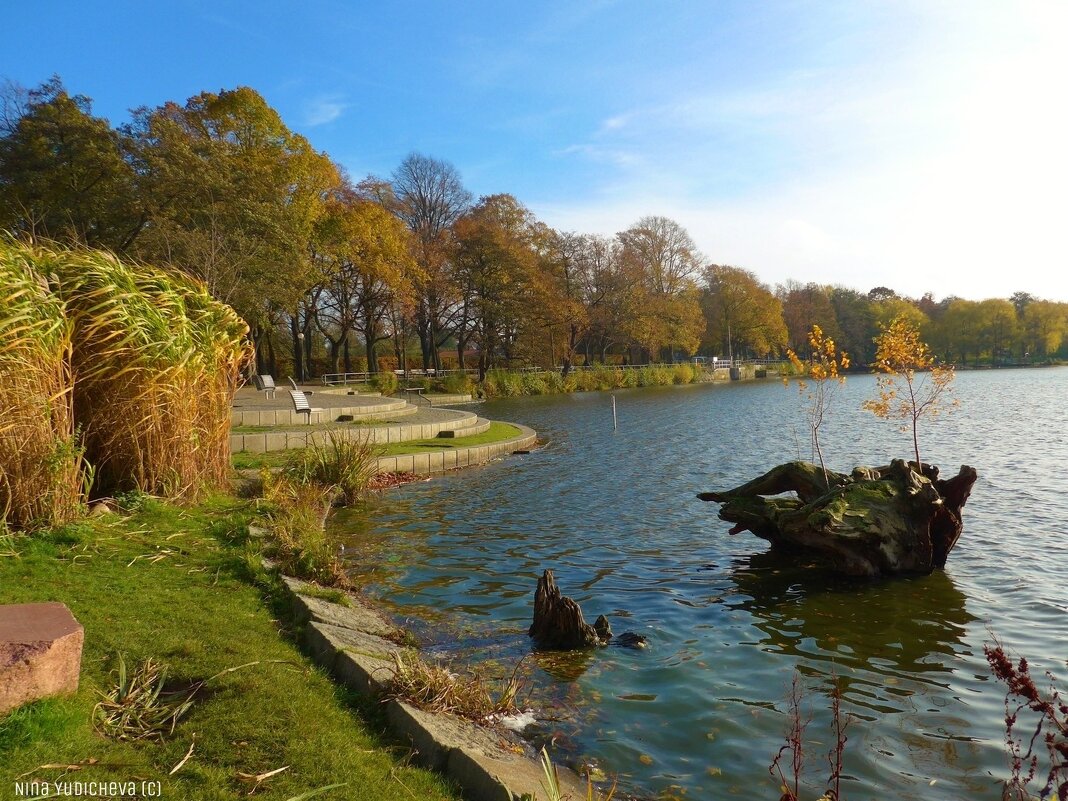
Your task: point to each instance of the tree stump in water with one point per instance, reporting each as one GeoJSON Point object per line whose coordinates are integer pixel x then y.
{"type": "Point", "coordinates": [876, 521]}
{"type": "Point", "coordinates": [558, 623]}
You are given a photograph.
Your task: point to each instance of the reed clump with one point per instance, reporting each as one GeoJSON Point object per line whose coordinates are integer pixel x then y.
{"type": "Point", "coordinates": [42, 473]}
{"type": "Point", "coordinates": [156, 362]}
{"type": "Point", "coordinates": [117, 366]}
{"type": "Point", "coordinates": [294, 513]}
{"type": "Point", "coordinates": [345, 462]}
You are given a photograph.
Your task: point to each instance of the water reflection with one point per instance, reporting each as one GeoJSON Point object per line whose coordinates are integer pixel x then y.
{"type": "Point", "coordinates": [910, 629]}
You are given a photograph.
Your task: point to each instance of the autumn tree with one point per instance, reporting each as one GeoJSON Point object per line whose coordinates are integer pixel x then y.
{"type": "Point", "coordinates": [234, 197]}
{"type": "Point", "coordinates": [999, 326]}
{"type": "Point", "coordinates": [902, 394]}
{"type": "Point", "coordinates": [664, 262]}
{"type": "Point", "coordinates": [741, 313]}
{"type": "Point", "coordinates": [803, 306]}
{"type": "Point", "coordinates": [822, 375]}
{"type": "Point", "coordinates": [1044, 323]}
{"type": "Point", "coordinates": [495, 259]}
{"type": "Point", "coordinates": [855, 316]}
{"type": "Point", "coordinates": [568, 292]}
{"type": "Point", "coordinates": [65, 175]}
{"type": "Point", "coordinates": [363, 255]}
{"type": "Point", "coordinates": [430, 197]}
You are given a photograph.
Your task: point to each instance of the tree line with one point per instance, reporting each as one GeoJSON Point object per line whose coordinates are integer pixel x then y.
{"type": "Point", "coordinates": [335, 274]}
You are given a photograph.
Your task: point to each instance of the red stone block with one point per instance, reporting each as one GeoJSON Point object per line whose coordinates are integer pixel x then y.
{"type": "Point", "coordinates": [40, 653]}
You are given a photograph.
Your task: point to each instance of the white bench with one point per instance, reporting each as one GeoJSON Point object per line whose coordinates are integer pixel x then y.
{"type": "Point", "coordinates": [301, 405]}
{"type": "Point", "coordinates": [265, 384]}
{"type": "Point", "coordinates": [293, 384]}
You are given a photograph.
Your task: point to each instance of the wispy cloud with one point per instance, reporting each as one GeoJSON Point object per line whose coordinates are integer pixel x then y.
{"type": "Point", "coordinates": [323, 109]}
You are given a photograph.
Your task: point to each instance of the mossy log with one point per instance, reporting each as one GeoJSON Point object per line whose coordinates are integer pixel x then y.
{"type": "Point", "coordinates": [876, 521]}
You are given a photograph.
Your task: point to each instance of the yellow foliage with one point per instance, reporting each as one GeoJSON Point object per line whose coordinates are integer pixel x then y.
{"type": "Point", "coordinates": [900, 354]}
{"type": "Point", "coordinates": [825, 364]}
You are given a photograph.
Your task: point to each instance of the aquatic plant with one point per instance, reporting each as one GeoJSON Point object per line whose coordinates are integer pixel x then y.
{"type": "Point", "coordinates": [790, 778]}
{"type": "Point", "coordinates": [345, 462]}
{"type": "Point", "coordinates": [1050, 727]}
{"type": "Point", "coordinates": [435, 687]}
{"type": "Point", "coordinates": [294, 514]}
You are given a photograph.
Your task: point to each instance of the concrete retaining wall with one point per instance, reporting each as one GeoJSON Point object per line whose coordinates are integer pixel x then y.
{"type": "Point", "coordinates": [465, 424]}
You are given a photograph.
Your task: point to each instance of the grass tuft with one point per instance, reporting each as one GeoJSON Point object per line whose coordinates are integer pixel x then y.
{"type": "Point", "coordinates": [435, 688]}
{"type": "Point", "coordinates": [345, 463]}
{"type": "Point", "coordinates": [138, 707]}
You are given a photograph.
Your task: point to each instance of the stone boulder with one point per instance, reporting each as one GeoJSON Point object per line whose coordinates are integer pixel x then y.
{"type": "Point", "coordinates": [40, 653]}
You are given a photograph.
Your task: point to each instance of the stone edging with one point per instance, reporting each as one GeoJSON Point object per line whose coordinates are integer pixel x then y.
{"type": "Point", "coordinates": [451, 458]}
{"type": "Point", "coordinates": [350, 642]}
{"type": "Point", "coordinates": [463, 423]}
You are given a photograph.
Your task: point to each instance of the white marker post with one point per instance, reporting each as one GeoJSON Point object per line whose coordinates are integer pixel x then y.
{"type": "Point", "coordinates": [615, 424]}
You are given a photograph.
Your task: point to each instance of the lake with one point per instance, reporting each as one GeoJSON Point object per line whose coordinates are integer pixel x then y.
{"type": "Point", "coordinates": [701, 712]}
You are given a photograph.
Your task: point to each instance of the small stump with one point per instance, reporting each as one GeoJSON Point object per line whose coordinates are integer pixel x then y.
{"type": "Point", "coordinates": [40, 653]}
{"type": "Point", "coordinates": [558, 623]}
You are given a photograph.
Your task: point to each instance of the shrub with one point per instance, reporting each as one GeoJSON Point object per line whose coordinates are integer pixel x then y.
{"type": "Point", "coordinates": [457, 384]}
{"type": "Point", "coordinates": [385, 382]}
{"type": "Point", "coordinates": [344, 462]}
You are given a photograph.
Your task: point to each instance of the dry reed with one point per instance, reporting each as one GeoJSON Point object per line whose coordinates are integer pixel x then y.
{"type": "Point", "coordinates": [41, 469]}
{"type": "Point", "coordinates": [156, 363]}
{"type": "Point", "coordinates": [130, 367]}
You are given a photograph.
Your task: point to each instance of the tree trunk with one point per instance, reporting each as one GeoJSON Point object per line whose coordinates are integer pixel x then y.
{"type": "Point", "coordinates": [558, 623]}
{"type": "Point", "coordinates": [298, 353]}
{"type": "Point", "coordinates": [369, 350]}
{"type": "Point", "coordinates": [880, 521]}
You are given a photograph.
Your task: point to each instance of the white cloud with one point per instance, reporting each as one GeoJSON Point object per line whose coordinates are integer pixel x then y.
{"type": "Point", "coordinates": [942, 168]}
{"type": "Point", "coordinates": [323, 110]}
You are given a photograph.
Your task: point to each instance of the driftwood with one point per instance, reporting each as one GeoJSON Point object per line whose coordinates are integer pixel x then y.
{"type": "Point", "coordinates": [876, 521]}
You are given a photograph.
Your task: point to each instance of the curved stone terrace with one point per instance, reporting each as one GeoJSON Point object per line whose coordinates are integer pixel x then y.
{"type": "Point", "coordinates": [262, 424]}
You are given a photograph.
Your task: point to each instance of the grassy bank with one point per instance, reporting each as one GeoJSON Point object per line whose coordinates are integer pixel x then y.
{"type": "Point", "coordinates": [172, 584]}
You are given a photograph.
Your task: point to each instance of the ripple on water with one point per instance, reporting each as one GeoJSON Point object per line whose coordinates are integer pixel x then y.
{"type": "Point", "coordinates": [614, 514]}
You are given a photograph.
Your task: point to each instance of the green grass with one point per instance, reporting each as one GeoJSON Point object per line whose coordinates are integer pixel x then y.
{"type": "Point", "coordinates": [497, 432]}
{"type": "Point", "coordinates": [173, 585]}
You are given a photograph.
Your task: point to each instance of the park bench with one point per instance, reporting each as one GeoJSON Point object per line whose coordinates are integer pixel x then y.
{"type": "Point", "coordinates": [298, 389]}
{"type": "Point", "coordinates": [300, 403]}
{"type": "Point", "coordinates": [265, 384]}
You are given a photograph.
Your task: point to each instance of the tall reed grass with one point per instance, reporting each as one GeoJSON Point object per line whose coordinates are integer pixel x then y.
{"type": "Point", "coordinates": [41, 469]}
{"type": "Point", "coordinates": [156, 362]}
{"type": "Point", "coordinates": [130, 367]}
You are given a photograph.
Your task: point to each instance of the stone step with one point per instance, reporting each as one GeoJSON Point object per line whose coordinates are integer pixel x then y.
{"type": "Point", "coordinates": [379, 407]}
{"type": "Point", "coordinates": [431, 424]}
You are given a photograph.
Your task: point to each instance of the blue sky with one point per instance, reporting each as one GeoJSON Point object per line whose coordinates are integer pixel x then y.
{"type": "Point", "coordinates": [917, 144]}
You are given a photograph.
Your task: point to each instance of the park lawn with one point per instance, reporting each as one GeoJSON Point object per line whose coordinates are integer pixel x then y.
{"type": "Point", "coordinates": [497, 432]}
{"type": "Point", "coordinates": [167, 583]}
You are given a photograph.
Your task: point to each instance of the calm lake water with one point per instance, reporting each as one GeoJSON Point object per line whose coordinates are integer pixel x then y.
{"type": "Point", "coordinates": [701, 712]}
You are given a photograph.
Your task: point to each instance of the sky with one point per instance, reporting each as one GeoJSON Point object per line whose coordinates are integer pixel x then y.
{"type": "Point", "coordinates": [916, 144]}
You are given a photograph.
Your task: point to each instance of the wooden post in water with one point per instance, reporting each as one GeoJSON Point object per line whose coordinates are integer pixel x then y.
{"type": "Point", "coordinates": [615, 424]}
